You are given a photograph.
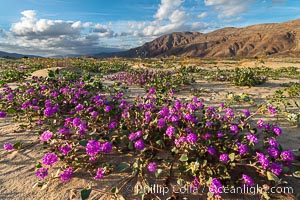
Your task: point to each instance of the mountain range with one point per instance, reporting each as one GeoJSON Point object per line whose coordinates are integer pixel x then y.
{"type": "Point", "coordinates": [15, 55]}
{"type": "Point", "coordinates": [273, 39]}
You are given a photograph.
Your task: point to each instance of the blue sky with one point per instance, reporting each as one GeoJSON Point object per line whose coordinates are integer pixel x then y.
{"type": "Point", "coordinates": [61, 27]}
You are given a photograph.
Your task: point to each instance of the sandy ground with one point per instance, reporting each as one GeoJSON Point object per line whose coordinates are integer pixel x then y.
{"type": "Point", "coordinates": [17, 168]}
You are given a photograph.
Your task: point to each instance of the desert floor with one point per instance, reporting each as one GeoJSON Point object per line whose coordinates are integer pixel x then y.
{"type": "Point", "coordinates": [17, 168]}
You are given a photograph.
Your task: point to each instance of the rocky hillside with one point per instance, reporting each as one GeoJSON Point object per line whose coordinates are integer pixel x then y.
{"type": "Point", "coordinates": [15, 55]}
{"type": "Point", "coordinates": [280, 39]}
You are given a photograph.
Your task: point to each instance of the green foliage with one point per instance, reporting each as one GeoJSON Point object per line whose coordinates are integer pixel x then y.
{"type": "Point", "coordinates": [248, 77]}
{"type": "Point", "coordinates": [11, 75]}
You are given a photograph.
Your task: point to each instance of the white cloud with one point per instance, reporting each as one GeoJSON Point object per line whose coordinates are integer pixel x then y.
{"type": "Point", "coordinates": [55, 36]}
{"type": "Point", "coordinates": [178, 16]}
{"type": "Point", "coordinates": [202, 15]}
{"type": "Point", "coordinates": [31, 27]}
{"type": "Point", "coordinates": [228, 8]}
{"type": "Point", "coordinates": [166, 8]}
{"type": "Point", "coordinates": [170, 17]}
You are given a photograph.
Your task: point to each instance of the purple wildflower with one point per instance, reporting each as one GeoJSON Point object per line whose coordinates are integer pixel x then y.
{"type": "Point", "coordinates": [174, 118]}
{"type": "Point", "coordinates": [48, 112]}
{"type": "Point", "coordinates": [246, 113]}
{"type": "Point", "coordinates": [39, 122]}
{"type": "Point", "coordinates": [211, 151]}
{"type": "Point", "coordinates": [191, 107]}
{"type": "Point", "coordinates": [247, 180]}
{"type": "Point", "coordinates": [277, 130]}
{"type": "Point", "coordinates": [220, 134]}
{"type": "Point", "coordinates": [92, 159]}
{"type": "Point", "coordinates": [46, 136]}
{"type": "Point", "coordinates": [94, 114]}
{"type": "Point", "coordinates": [272, 151]}
{"type": "Point", "coordinates": [66, 174]}
{"type": "Point", "coordinates": [243, 149]}
{"type": "Point", "coordinates": [224, 158]}
{"type": "Point", "coordinates": [287, 155]}
{"type": "Point", "coordinates": [180, 140]}
{"type": "Point", "coordinates": [100, 173]}
{"type": "Point", "coordinates": [190, 117]}
{"type": "Point", "coordinates": [65, 148]}
{"type": "Point", "coordinates": [108, 108]}
{"type": "Point", "coordinates": [76, 121]}
{"type": "Point", "coordinates": [161, 123]}
{"type": "Point", "coordinates": [49, 159]}
{"type": "Point", "coordinates": [164, 111]}
{"type": "Point", "coordinates": [152, 167]}
{"type": "Point", "coordinates": [112, 125]}
{"type": "Point", "coordinates": [93, 147]}
{"type": "Point", "coordinates": [276, 168]}
{"type": "Point", "coordinates": [273, 142]}
{"type": "Point", "coordinates": [192, 138]}
{"type": "Point", "coordinates": [2, 114]}
{"type": "Point", "coordinates": [264, 161]}
{"type": "Point", "coordinates": [8, 146]}
{"type": "Point", "coordinates": [152, 91]}
{"type": "Point", "coordinates": [260, 124]}
{"type": "Point", "coordinates": [89, 109]}
{"type": "Point", "coordinates": [132, 136]}
{"type": "Point", "coordinates": [177, 104]}
{"type": "Point", "coordinates": [106, 147]}
{"type": "Point", "coordinates": [234, 128]}
{"type": "Point", "coordinates": [206, 136]}
{"type": "Point", "coordinates": [10, 97]}
{"type": "Point", "coordinates": [252, 138]}
{"type": "Point", "coordinates": [222, 105]}
{"type": "Point", "coordinates": [139, 144]}
{"type": "Point", "coordinates": [216, 187]}
{"type": "Point", "coordinates": [64, 131]}
{"type": "Point", "coordinates": [272, 110]}
{"type": "Point", "coordinates": [229, 112]}
{"type": "Point", "coordinates": [208, 124]}
{"type": "Point", "coordinates": [42, 173]}
{"type": "Point", "coordinates": [79, 107]}
{"type": "Point", "coordinates": [170, 131]}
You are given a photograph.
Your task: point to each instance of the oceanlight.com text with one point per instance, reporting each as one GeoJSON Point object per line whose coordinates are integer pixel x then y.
{"type": "Point", "coordinates": [254, 190]}
{"type": "Point", "coordinates": [164, 190]}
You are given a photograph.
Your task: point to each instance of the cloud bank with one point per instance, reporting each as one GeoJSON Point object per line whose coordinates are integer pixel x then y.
{"type": "Point", "coordinates": [34, 35]}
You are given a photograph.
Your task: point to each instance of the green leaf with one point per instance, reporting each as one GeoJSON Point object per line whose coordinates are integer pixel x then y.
{"type": "Point", "coordinates": [183, 158]}
{"type": "Point", "coordinates": [280, 148]}
{"type": "Point", "coordinates": [130, 145]}
{"type": "Point", "coordinates": [2, 82]}
{"type": "Point", "coordinates": [231, 156]}
{"type": "Point", "coordinates": [83, 143]}
{"type": "Point", "coordinates": [18, 145]}
{"type": "Point", "coordinates": [272, 177]}
{"type": "Point", "coordinates": [39, 165]}
{"type": "Point", "coordinates": [85, 193]}
{"type": "Point", "coordinates": [114, 190]}
{"type": "Point", "coordinates": [204, 163]}
{"type": "Point", "coordinates": [158, 173]}
{"type": "Point", "coordinates": [122, 167]}
{"type": "Point", "coordinates": [11, 111]}
{"type": "Point", "coordinates": [51, 73]}
{"type": "Point", "coordinates": [160, 142]}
